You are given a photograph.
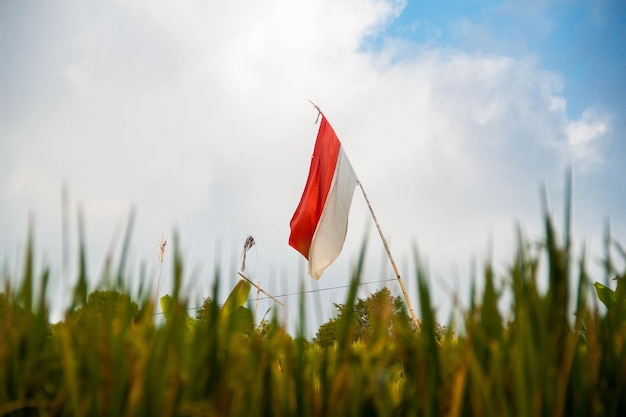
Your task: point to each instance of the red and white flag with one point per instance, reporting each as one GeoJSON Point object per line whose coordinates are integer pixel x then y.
{"type": "Point", "coordinates": [320, 223]}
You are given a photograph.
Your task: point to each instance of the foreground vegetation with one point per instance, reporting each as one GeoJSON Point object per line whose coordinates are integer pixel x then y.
{"type": "Point", "coordinates": [556, 354]}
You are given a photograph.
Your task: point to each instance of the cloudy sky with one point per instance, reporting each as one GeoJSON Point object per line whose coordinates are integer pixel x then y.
{"type": "Point", "coordinates": [196, 115]}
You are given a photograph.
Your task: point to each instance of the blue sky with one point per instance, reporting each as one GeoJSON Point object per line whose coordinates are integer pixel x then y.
{"type": "Point", "coordinates": [196, 114]}
{"type": "Point", "coordinates": [582, 40]}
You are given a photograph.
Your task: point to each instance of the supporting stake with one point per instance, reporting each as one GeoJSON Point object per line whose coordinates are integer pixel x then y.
{"type": "Point", "coordinates": [259, 288]}
{"type": "Point", "coordinates": [160, 258]}
{"type": "Point", "coordinates": [258, 292]}
{"type": "Point", "coordinates": [393, 263]}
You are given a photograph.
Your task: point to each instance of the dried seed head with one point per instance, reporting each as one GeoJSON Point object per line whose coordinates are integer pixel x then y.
{"type": "Point", "coordinates": [248, 244]}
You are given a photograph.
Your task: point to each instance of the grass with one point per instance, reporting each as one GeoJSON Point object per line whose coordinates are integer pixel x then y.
{"type": "Point", "coordinates": [556, 356]}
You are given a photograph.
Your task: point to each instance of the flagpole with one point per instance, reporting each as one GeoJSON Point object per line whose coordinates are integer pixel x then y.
{"type": "Point", "coordinates": [393, 263]}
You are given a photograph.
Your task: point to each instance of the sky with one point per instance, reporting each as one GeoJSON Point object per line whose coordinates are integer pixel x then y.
{"type": "Point", "coordinates": [194, 116]}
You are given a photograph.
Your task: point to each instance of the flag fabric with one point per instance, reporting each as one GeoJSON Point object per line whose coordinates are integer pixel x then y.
{"type": "Point", "coordinates": [320, 223]}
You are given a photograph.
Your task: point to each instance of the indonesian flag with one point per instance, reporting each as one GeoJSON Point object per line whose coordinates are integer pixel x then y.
{"type": "Point", "coordinates": [320, 223]}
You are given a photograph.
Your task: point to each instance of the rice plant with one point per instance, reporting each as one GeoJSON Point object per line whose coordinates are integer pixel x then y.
{"type": "Point", "coordinates": [553, 356]}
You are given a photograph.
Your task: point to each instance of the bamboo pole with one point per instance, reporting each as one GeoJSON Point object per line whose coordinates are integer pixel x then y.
{"type": "Point", "coordinates": [160, 258]}
{"type": "Point", "coordinates": [393, 263]}
{"type": "Point", "coordinates": [256, 304]}
{"type": "Point", "coordinates": [259, 288]}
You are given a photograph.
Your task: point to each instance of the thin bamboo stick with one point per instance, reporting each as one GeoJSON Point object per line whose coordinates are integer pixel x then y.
{"type": "Point", "coordinates": [393, 263]}
{"type": "Point", "coordinates": [160, 258]}
{"type": "Point", "coordinates": [259, 288]}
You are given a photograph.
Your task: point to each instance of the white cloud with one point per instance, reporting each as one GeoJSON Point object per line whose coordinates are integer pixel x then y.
{"type": "Point", "coordinates": [196, 113]}
{"type": "Point", "coordinates": [583, 135]}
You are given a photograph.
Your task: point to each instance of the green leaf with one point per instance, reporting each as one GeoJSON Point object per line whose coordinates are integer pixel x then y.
{"type": "Point", "coordinates": [606, 295]}
{"type": "Point", "coordinates": [237, 298]}
{"type": "Point", "coordinates": [167, 306]}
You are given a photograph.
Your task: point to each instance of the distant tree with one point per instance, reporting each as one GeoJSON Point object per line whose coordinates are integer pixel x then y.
{"type": "Point", "coordinates": [379, 311]}
{"type": "Point", "coordinates": [272, 329]}
{"type": "Point", "coordinates": [208, 306]}
{"type": "Point", "coordinates": [106, 305]}
{"type": "Point", "coordinates": [327, 332]}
